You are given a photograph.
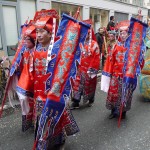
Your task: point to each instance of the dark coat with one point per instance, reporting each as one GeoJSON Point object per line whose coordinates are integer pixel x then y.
{"type": "Point", "coordinates": [110, 24]}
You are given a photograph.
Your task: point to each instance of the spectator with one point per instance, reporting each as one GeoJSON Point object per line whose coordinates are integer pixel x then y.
{"type": "Point", "coordinates": [111, 23]}
{"type": "Point", "coordinates": [100, 40]}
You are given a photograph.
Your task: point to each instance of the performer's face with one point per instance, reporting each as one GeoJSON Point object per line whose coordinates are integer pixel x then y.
{"type": "Point", "coordinates": [123, 35]}
{"type": "Point", "coordinates": [111, 37]}
{"type": "Point", "coordinates": [28, 42]}
{"type": "Point", "coordinates": [43, 36]}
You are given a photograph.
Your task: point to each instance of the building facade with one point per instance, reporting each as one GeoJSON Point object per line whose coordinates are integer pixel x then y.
{"type": "Point", "coordinates": [147, 5]}
{"type": "Point", "coordinates": [14, 13]}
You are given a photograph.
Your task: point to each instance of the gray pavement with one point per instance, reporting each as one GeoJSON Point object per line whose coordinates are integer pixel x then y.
{"type": "Point", "coordinates": [97, 132]}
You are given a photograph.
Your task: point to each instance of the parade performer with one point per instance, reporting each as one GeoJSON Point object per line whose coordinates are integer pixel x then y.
{"type": "Point", "coordinates": [15, 70]}
{"type": "Point", "coordinates": [145, 73]}
{"type": "Point", "coordinates": [119, 77]}
{"type": "Point", "coordinates": [111, 41]}
{"type": "Point", "coordinates": [54, 66]}
{"type": "Point", "coordinates": [86, 78]}
{"type": "Point", "coordinates": [25, 83]}
{"type": "Point", "coordinates": [19, 76]}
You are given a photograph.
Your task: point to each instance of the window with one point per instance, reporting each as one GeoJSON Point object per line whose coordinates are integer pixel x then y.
{"type": "Point", "coordinates": [25, 6]}
{"type": "Point", "coordinates": [99, 18]}
{"type": "Point", "coordinates": [120, 16]}
{"type": "Point", "coordinates": [149, 13]}
{"type": "Point", "coordinates": [44, 5]}
{"type": "Point", "coordinates": [66, 8]}
{"type": "Point", "coordinates": [10, 24]}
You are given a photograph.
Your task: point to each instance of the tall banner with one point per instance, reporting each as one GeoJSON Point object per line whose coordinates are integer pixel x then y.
{"type": "Point", "coordinates": [134, 59]}
{"type": "Point", "coordinates": [62, 67]}
{"type": "Point", "coordinates": [15, 63]}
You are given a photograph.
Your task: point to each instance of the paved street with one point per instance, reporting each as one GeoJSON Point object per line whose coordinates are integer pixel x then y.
{"type": "Point", "coordinates": [97, 132]}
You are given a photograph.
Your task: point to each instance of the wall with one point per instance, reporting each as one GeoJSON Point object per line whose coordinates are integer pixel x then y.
{"type": "Point", "coordinates": [27, 10]}
{"type": "Point", "coordinates": [43, 4]}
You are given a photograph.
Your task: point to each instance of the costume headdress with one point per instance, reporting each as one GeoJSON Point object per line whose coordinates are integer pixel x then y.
{"type": "Point", "coordinates": [45, 23]}
{"type": "Point", "coordinates": [46, 19]}
{"type": "Point", "coordinates": [46, 13]}
{"type": "Point", "coordinates": [123, 25]}
{"type": "Point", "coordinates": [30, 31]}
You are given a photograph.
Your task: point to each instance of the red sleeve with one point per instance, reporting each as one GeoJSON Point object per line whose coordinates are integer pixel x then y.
{"type": "Point", "coordinates": [95, 62]}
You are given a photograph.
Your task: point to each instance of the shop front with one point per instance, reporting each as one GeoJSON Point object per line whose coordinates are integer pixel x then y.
{"type": "Point", "coordinates": [66, 8]}
{"type": "Point", "coordinates": [14, 13]}
{"type": "Point", "coordinates": [99, 17]}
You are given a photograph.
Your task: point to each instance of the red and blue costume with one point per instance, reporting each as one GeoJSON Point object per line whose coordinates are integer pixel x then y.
{"type": "Point", "coordinates": [119, 77]}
